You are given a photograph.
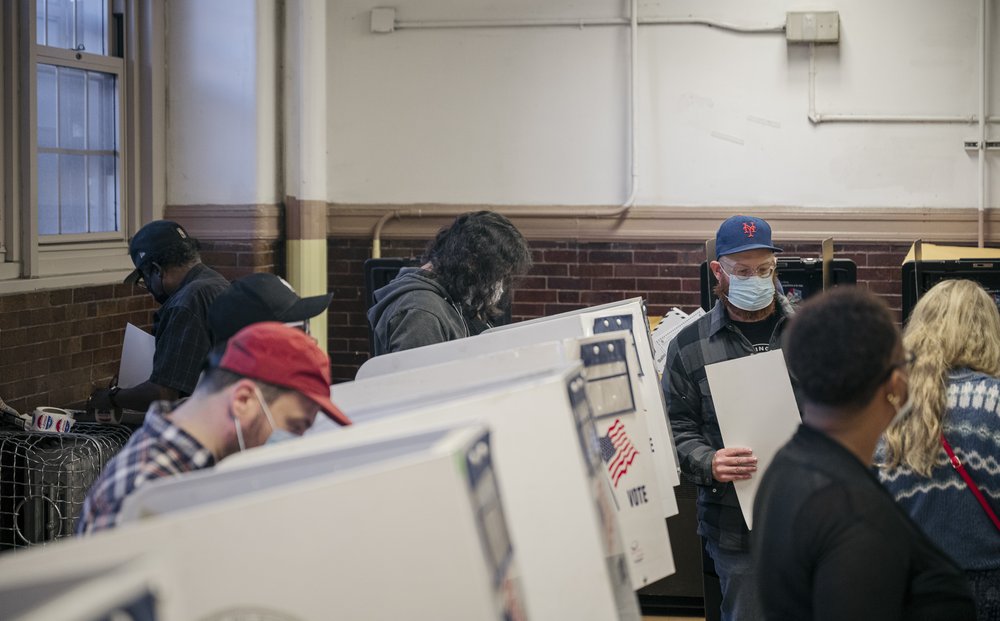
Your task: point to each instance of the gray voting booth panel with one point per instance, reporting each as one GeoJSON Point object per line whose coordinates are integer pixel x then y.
{"type": "Point", "coordinates": [325, 543]}
{"type": "Point", "coordinates": [131, 591]}
{"type": "Point", "coordinates": [560, 511]}
{"type": "Point", "coordinates": [610, 369]}
{"type": "Point", "coordinates": [624, 315]}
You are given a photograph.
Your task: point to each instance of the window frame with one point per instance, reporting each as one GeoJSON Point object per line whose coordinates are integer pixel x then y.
{"type": "Point", "coordinates": [87, 258]}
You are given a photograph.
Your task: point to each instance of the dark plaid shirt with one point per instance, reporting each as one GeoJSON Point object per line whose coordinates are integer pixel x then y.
{"type": "Point", "coordinates": [183, 338]}
{"type": "Point", "coordinates": [713, 338]}
{"type": "Point", "coordinates": [158, 449]}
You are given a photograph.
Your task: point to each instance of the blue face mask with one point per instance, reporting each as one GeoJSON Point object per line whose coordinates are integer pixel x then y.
{"type": "Point", "coordinates": [750, 294]}
{"type": "Point", "coordinates": [277, 433]}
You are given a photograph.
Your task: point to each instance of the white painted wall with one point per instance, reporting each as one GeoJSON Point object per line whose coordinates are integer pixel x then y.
{"type": "Point", "coordinates": [221, 91]}
{"type": "Point", "coordinates": [539, 116]}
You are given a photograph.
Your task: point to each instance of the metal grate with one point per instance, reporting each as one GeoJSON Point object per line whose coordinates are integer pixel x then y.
{"type": "Point", "coordinates": [45, 477]}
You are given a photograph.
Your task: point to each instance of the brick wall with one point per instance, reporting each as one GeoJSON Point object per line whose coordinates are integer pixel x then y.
{"type": "Point", "coordinates": [571, 275]}
{"type": "Point", "coordinates": [233, 259]}
{"type": "Point", "coordinates": [57, 346]}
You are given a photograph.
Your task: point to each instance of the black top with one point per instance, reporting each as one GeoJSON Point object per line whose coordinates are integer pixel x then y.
{"type": "Point", "coordinates": [759, 333]}
{"type": "Point", "coordinates": [181, 329]}
{"type": "Point", "coordinates": [830, 543]}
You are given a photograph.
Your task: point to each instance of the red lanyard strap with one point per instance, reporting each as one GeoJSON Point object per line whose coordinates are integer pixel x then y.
{"type": "Point", "coordinates": [968, 481]}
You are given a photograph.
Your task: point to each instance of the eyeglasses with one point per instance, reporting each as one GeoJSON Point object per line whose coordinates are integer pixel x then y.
{"type": "Point", "coordinates": [906, 365]}
{"type": "Point", "coordinates": [143, 281]}
{"type": "Point", "coordinates": [743, 272]}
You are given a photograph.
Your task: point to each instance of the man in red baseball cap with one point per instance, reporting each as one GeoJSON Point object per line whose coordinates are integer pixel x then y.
{"type": "Point", "coordinates": [269, 385]}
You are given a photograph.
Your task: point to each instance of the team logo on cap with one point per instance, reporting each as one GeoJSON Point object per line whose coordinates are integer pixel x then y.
{"type": "Point", "coordinates": [749, 228]}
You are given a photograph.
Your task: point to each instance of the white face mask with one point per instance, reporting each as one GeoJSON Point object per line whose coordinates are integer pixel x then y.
{"type": "Point", "coordinates": [750, 293]}
{"type": "Point", "coordinates": [497, 293]}
{"type": "Point", "coordinates": [277, 433]}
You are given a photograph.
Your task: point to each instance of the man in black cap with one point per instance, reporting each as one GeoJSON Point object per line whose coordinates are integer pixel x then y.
{"type": "Point", "coordinates": [262, 297]}
{"type": "Point", "coordinates": [749, 318]}
{"type": "Point", "coordinates": [167, 264]}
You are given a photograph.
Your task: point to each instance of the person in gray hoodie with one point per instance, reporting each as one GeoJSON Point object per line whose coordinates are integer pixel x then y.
{"type": "Point", "coordinates": [467, 269]}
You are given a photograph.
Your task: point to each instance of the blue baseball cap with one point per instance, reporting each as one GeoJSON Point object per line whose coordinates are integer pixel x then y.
{"type": "Point", "coordinates": [740, 233]}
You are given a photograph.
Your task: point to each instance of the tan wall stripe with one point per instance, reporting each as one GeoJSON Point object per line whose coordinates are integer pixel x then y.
{"type": "Point", "coordinates": [958, 225]}
{"type": "Point", "coordinates": [228, 222]}
{"type": "Point", "coordinates": [686, 223]}
{"type": "Point", "coordinates": [305, 219]}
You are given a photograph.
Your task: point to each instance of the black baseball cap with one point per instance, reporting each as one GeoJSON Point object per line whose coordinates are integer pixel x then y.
{"type": "Point", "coordinates": [150, 240]}
{"type": "Point", "coordinates": [260, 297]}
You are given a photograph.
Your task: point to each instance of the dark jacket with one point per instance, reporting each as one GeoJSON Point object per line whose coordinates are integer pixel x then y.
{"type": "Point", "coordinates": [830, 543]}
{"type": "Point", "coordinates": [180, 327]}
{"type": "Point", "coordinates": [691, 411]}
{"type": "Point", "coordinates": [412, 311]}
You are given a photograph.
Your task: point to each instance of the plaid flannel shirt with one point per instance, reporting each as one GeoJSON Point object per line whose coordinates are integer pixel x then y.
{"type": "Point", "coordinates": [158, 449]}
{"type": "Point", "coordinates": [713, 338]}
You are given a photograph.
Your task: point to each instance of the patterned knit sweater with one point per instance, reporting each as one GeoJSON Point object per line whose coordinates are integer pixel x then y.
{"type": "Point", "coordinates": [943, 505]}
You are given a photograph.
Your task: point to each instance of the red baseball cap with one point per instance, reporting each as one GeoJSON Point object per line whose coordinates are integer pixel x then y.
{"type": "Point", "coordinates": [282, 356]}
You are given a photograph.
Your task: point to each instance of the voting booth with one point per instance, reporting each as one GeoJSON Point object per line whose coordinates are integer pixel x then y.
{"type": "Point", "coordinates": [928, 264]}
{"type": "Point", "coordinates": [131, 590]}
{"type": "Point", "coordinates": [310, 537]}
{"type": "Point", "coordinates": [627, 315]}
{"type": "Point", "coordinates": [611, 372]}
{"type": "Point", "coordinates": [559, 510]}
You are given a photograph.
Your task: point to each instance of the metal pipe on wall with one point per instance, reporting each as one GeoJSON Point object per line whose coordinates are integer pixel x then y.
{"type": "Point", "coordinates": [595, 213]}
{"type": "Point", "coordinates": [984, 29]}
{"type": "Point", "coordinates": [633, 22]}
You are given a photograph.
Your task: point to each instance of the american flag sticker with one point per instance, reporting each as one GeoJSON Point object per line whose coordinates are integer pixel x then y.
{"type": "Point", "coordinates": [617, 451]}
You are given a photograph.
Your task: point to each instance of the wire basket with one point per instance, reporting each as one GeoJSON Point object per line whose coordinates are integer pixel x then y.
{"type": "Point", "coordinates": [45, 477]}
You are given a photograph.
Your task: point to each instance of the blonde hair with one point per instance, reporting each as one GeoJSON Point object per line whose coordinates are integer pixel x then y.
{"type": "Point", "coordinates": [954, 325]}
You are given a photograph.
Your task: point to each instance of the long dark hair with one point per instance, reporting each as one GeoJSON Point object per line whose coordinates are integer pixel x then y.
{"type": "Point", "coordinates": [477, 251]}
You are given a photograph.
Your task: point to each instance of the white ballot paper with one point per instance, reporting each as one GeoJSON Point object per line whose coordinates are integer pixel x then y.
{"type": "Point", "coordinates": [756, 408]}
{"type": "Point", "coordinates": [137, 357]}
{"type": "Point", "coordinates": [668, 329]}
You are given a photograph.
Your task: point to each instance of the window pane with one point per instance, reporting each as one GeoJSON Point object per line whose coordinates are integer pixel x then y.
{"type": "Point", "coordinates": [48, 110]}
{"type": "Point", "coordinates": [91, 24]}
{"type": "Point", "coordinates": [72, 84]}
{"type": "Point", "coordinates": [59, 20]}
{"type": "Point", "coordinates": [102, 182]}
{"type": "Point", "coordinates": [40, 22]}
{"type": "Point", "coordinates": [48, 193]}
{"type": "Point", "coordinates": [101, 111]}
{"type": "Point", "coordinates": [72, 194]}
{"type": "Point", "coordinates": [79, 185]}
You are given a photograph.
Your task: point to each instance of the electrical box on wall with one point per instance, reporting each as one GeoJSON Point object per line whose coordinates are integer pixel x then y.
{"type": "Point", "coordinates": [812, 26]}
{"type": "Point", "coordinates": [383, 20]}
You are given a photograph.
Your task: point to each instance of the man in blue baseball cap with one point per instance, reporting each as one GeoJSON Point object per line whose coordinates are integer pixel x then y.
{"type": "Point", "coordinates": [748, 318]}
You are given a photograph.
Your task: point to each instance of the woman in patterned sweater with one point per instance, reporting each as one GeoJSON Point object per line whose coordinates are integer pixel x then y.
{"type": "Point", "coordinates": [953, 337]}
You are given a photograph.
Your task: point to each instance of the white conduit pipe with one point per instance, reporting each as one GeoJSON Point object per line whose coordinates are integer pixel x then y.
{"type": "Point", "coordinates": [633, 62]}
{"type": "Point", "coordinates": [983, 107]}
{"type": "Point", "coordinates": [633, 22]}
{"type": "Point", "coordinates": [583, 23]}
{"type": "Point", "coordinates": [847, 117]}
{"type": "Point", "coordinates": [543, 213]}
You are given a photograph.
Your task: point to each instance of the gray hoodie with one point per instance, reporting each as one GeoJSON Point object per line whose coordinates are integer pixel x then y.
{"type": "Point", "coordinates": [414, 310]}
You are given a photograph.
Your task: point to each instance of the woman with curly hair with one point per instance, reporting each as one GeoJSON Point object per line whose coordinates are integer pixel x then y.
{"type": "Point", "coordinates": [469, 266]}
{"type": "Point", "coordinates": [953, 336]}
